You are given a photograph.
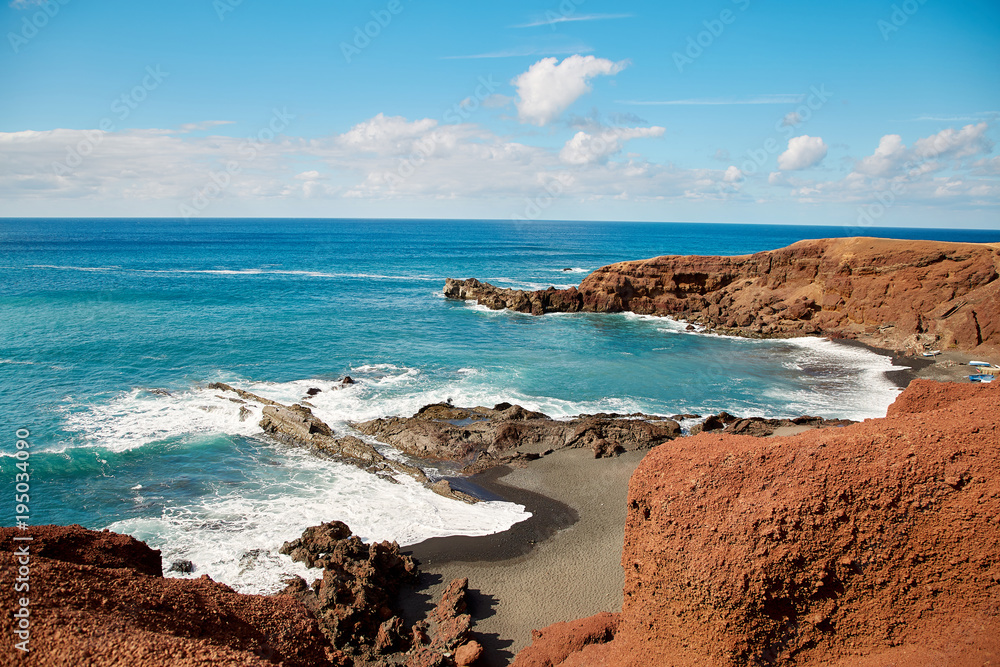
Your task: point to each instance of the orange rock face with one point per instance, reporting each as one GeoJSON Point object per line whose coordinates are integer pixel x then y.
{"type": "Point", "coordinates": [901, 294]}
{"type": "Point", "coordinates": [873, 544]}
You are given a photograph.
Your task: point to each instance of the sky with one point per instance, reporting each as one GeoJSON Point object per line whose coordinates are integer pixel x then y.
{"type": "Point", "coordinates": [854, 113]}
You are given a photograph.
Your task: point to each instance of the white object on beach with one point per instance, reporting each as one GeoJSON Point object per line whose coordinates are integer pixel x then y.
{"type": "Point", "coordinates": [979, 363]}
{"type": "Point", "coordinates": [932, 353]}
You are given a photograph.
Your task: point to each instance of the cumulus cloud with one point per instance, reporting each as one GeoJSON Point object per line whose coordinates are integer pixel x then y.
{"type": "Point", "coordinates": [892, 156]}
{"type": "Point", "coordinates": [932, 171]}
{"type": "Point", "coordinates": [586, 148]}
{"type": "Point", "coordinates": [951, 143]}
{"type": "Point", "coordinates": [887, 158]}
{"type": "Point", "coordinates": [803, 152]}
{"type": "Point", "coordinates": [549, 87]}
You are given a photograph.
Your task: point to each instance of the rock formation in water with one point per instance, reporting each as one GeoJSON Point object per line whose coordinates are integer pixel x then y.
{"type": "Point", "coordinates": [904, 295]}
{"type": "Point", "coordinates": [484, 437]}
{"type": "Point", "coordinates": [297, 425]}
{"type": "Point", "coordinates": [872, 544]}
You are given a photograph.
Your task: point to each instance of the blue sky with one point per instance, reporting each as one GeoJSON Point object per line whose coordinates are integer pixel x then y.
{"type": "Point", "coordinates": [851, 113]}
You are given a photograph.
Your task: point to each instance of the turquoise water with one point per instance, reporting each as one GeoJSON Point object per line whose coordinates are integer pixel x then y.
{"type": "Point", "coordinates": [98, 312]}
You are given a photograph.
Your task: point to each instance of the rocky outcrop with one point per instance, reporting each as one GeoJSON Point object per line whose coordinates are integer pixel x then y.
{"type": "Point", "coordinates": [761, 427]}
{"type": "Point", "coordinates": [98, 599]}
{"type": "Point", "coordinates": [482, 437]}
{"type": "Point", "coordinates": [297, 425]}
{"type": "Point", "coordinates": [904, 295]}
{"type": "Point", "coordinates": [354, 598]}
{"type": "Point", "coordinates": [355, 602]}
{"type": "Point", "coordinates": [871, 544]}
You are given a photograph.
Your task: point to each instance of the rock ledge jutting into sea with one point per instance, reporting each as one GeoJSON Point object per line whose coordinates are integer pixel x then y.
{"type": "Point", "coordinates": [904, 295]}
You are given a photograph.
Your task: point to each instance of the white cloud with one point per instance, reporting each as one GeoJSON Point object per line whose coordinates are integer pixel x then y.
{"type": "Point", "coordinates": [549, 87]}
{"type": "Point", "coordinates": [386, 134]}
{"type": "Point", "coordinates": [892, 156]}
{"type": "Point", "coordinates": [887, 158]}
{"type": "Point", "coordinates": [803, 152]}
{"type": "Point", "coordinates": [586, 148]}
{"type": "Point", "coordinates": [932, 172]}
{"type": "Point", "coordinates": [395, 159]}
{"type": "Point", "coordinates": [970, 140]}
{"type": "Point", "coordinates": [382, 158]}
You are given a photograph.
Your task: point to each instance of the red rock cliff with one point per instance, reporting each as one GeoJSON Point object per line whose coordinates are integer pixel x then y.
{"type": "Point", "coordinates": [900, 294]}
{"type": "Point", "coordinates": [874, 544]}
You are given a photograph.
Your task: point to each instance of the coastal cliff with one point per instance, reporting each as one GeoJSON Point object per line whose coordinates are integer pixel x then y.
{"type": "Point", "coordinates": [871, 544]}
{"type": "Point", "coordinates": [904, 295]}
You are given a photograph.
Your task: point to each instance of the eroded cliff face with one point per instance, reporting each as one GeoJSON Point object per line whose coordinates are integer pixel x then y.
{"type": "Point", "coordinates": [877, 543]}
{"type": "Point", "coordinates": [907, 295]}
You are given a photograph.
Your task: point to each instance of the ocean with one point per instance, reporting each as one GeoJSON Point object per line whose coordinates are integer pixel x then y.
{"type": "Point", "coordinates": [112, 329]}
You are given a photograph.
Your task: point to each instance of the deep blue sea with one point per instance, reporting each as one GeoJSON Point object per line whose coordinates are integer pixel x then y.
{"type": "Point", "coordinates": [96, 313]}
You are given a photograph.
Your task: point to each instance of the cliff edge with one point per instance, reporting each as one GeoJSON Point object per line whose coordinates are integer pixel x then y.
{"type": "Point", "coordinates": [904, 295]}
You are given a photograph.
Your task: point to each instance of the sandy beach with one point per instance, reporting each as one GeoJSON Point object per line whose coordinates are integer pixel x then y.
{"type": "Point", "coordinates": [576, 572]}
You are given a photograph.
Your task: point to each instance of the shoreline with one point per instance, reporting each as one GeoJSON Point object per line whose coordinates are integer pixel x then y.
{"type": "Point", "coordinates": [570, 549]}
{"type": "Point", "coordinates": [548, 516]}
{"type": "Point", "coordinates": [574, 533]}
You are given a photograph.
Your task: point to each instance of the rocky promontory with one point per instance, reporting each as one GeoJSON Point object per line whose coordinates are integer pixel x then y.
{"type": "Point", "coordinates": [872, 544]}
{"type": "Point", "coordinates": [903, 295]}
